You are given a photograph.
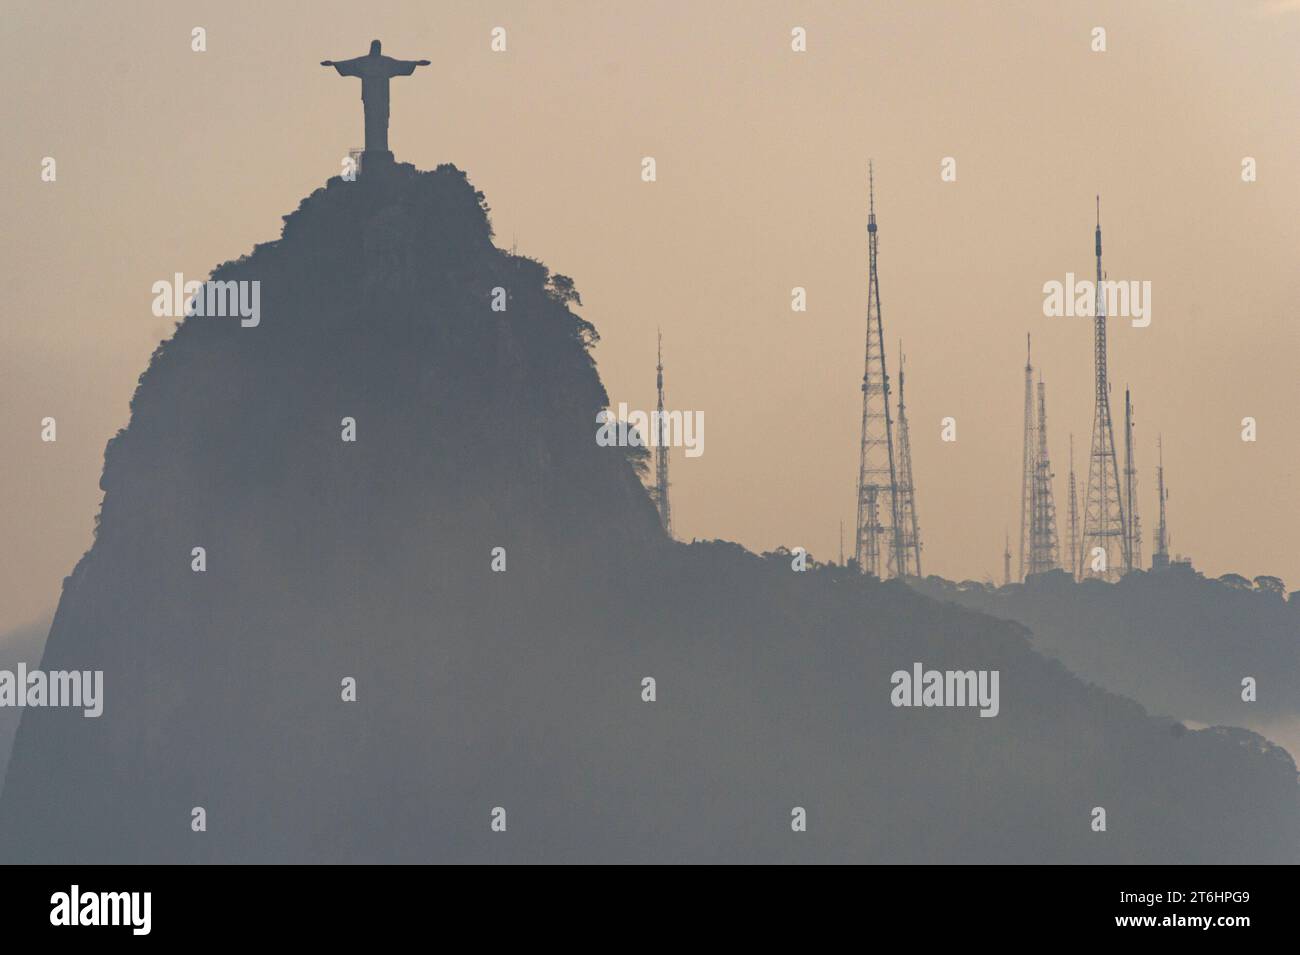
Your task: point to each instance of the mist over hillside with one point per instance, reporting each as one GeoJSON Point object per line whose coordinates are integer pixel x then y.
{"type": "Point", "coordinates": [524, 689]}
{"type": "Point", "coordinates": [1177, 642]}
{"type": "Point", "coordinates": [21, 645]}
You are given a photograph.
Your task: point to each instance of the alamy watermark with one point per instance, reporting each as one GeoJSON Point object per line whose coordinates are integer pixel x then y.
{"type": "Point", "coordinates": [922, 687]}
{"type": "Point", "coordinates": [211, 299]}
{"type": "Point", "coordinates": [73, 688]}
{"type": "Point", "coordinates": [75, 907]}
{"type": "Point", "coordinates": [653, 429]}
{"type": "Point", "coordinates": [1079, 299]}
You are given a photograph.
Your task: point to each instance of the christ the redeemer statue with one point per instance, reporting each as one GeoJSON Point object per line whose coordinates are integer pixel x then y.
{"type": "Point", "coordinates": [375, 71]}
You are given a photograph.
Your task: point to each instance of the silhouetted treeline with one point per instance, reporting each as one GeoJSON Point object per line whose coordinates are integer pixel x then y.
{"type": "Point", "coordinates": [1174, 640]}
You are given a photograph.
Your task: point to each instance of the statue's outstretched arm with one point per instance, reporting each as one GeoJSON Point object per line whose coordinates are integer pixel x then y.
{"type": "Point", "coordinates": [346, 67]}
{"type": "Point", "coordinates": [407, 67]}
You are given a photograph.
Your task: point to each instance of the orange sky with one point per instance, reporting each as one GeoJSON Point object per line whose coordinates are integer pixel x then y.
{"type": "Point", "coordinates": [174, 161]}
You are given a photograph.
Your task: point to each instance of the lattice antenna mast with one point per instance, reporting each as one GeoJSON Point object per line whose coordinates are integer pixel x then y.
{"type": "Point", "coordinates": [1074, 518]}
{"type": "Point", "coordinates": [1161, 557]}
{"type": "Point", "coordinates": [1006, 561]}
{"type": "Point", "coordinates": [1104, 524]}
{"type": "Point", "coordinates": [876, 473]}
{"type": "Point", "coordinates": [910, 564]}
{"type": "Point", "coordinates": [1027, 483]}
{"type": "Point", "coordinates": [661, 450]}
{"type": "Point", "coordinates": [1130, 488]}
{"type": "Point", "coordinates": [1045, 554]}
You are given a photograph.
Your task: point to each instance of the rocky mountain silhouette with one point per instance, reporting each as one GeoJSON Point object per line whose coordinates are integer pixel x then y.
{"type": "Point", "coordinates": [522, 690]}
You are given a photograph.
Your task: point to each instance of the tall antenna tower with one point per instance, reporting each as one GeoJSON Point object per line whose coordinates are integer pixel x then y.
{"type": "Point", "coordinates": [1044, 554]}
{"type": "Point", "coordinates": [1103, 511]}
{"type": "Point", "coordinates": [1134, 556]}
{"type": "Point", "coordinates": [876, 474]}
{"type": "Point", "coordinates": [661, 451]}
{"type": "Point", "coordinates": [1006, 562]}
{"type": "Point", "coordinates": [1074, 518]}
{"type": "Point", "coordinates": [1160, 559]}
{"type": "Point", "coordinates": [909, 565]}
{"type": "Point", "coordinates": [1030, 464]}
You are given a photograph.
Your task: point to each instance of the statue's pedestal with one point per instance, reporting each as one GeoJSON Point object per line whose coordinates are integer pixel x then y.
{"type": "Point", "coordinates": [376, 161]}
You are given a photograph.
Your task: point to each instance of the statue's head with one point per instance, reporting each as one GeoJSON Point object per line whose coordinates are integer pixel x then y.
{"type": "Point", "coordinates": [374, 47]}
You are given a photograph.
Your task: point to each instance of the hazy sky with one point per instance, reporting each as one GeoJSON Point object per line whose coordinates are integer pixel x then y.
{"type": "Point", "coordinates": [175, 161]}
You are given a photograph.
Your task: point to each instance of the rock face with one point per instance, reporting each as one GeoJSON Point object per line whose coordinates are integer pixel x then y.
{"type": "Point", "coordinates": [22, 645]}
{"type": "Point", "coordinates": [523, 690]}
